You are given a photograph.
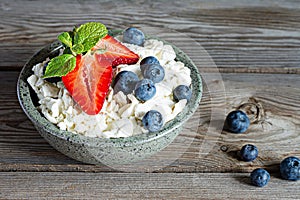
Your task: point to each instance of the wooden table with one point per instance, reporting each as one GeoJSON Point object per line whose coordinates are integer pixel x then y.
{"type": "Point", "coordinates": [256, 47]}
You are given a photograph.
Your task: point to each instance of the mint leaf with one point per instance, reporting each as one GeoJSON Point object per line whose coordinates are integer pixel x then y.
{"type": "Point", "coordinates": [89, 34]}
{"type": "Point", "coordinates": [77, 48]}
{"type": "Point", "coordinates": [65, 38]}
{"type": "Point", "coordinates": [60, 66]}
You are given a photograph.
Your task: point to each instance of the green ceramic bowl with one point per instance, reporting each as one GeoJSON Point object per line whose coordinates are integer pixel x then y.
{"type": "Point", "coordinates": [100, 150]}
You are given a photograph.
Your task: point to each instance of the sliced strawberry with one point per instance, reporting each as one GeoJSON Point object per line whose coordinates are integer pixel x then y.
{"type": "Point", "coordinates": [70, 78]}
{"type": "Point", "coordinates": [89, 82]}
{"type": "Point", "coordinates": [115, 52]}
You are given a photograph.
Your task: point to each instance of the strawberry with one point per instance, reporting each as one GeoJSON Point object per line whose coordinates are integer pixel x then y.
{"type": "Point", "coordinates": [89, 82]}
{"type": "Point", "coordinates": [115, 52]}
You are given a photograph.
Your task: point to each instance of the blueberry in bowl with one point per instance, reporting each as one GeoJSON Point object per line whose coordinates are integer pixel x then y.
{"type": "Point", "coordinates": [153, 120]}
{"type": "Point", "coordinates": [154, 72]}
{"type": "Point", "coordinates": [182, 92]}
{"type": "Point", "coordinates": [125, 81]}
{"type": "Point", "coordinates": [145, 89]}
{"type": "Point", "coordinates": [134, 36]}
{"type": "Point", "coordinates": [147, 61]}
{"type": "Point", "coordinates": [84, 136]}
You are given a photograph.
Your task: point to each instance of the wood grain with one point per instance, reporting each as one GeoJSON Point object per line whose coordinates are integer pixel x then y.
{"type": "Point", "coordinates": [256, 47]}
{"type": "Point", "coordinates": [140, 186]}
{"type": "Point", "coordinates": [243, 37]}
{"type": "Point", "coordinates": [199, 148]}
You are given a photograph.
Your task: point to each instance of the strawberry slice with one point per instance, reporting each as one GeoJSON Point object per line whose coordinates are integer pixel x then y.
{"type": "Point", "coordinates": [89, 82]}
{"type": "Point", "coordinates": [114, 51]}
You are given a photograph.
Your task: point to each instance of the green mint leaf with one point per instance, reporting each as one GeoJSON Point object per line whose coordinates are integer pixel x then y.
{"type": "Point", "coordinates": [89, 34]}
{"type": "Point", "coordinates": [77, 48]}
{"type": "Point", "coordinates": [65, 38]}
{"type": "Point", "coordinates": [60, 66]}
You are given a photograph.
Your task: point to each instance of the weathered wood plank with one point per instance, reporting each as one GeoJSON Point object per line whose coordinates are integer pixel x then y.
{"type": "Point", "coordinates": [22, 149]}
{"type": "Point", "coordinates": [243, 37]}
{"type": "Point", "coordinates": [141, 186]}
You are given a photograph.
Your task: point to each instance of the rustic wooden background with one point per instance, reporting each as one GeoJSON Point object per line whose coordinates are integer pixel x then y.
{"type": "Point", "coordinates": [256, 46]}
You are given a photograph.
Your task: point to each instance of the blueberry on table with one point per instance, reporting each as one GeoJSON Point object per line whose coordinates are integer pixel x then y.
{"type": "Point", "coordinates": [144, 90]}
{"type": "Point", "coordinates": [260, 177]}
{"type": "Point", "coordinates": [152, 121]}
{"type": "Point", "coordinates": [147, 61]}
{"type": "Point", "coordinates": [52, 79]}
{"type": "Point", "coordinates": [290, 168]}
{"type": "Point", "coordinates": [134, 36]}
{"type": "Point", "coordinates": [182, 92]}
{"type": "Point", "coordinates": [237, 121]}
{"type": "Point", "coordinates": [125, 81]}
{"type": "Point", "coordinates": [249, 152]}
{"type": "Point", "coordinates": [154, 72]}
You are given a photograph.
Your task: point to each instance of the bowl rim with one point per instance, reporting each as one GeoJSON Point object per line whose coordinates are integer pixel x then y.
{"type": "Point", "coordinates": [39, 120]}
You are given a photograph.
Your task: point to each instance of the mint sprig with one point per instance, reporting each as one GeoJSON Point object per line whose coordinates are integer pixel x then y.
{"type": "Point", "coordinates": [88, 35]}
{"type": "Point", "coordinates": [60, 65]}
{"type": "Point", "coordinates": [81, 40]}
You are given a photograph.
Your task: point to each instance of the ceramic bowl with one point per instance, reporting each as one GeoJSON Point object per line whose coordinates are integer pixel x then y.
{"type": "Point", "coordinates": [102, 150]}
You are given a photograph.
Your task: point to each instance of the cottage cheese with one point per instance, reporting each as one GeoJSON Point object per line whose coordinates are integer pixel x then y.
{"type": "Point", "coordinates": [121, 114]}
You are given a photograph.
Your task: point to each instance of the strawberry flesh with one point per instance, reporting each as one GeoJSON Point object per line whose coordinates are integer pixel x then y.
{"type": "Point", "coordinates": [115, 52]}
{"type": "Point", "coordinates": [89, 82]}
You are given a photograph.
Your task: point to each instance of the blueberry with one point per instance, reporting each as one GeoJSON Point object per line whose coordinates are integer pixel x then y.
{"type": "Point", "coordinates": [182, 92]}
{"type": "Point", "coordinates": [237, 121]}
{"type": "Point", "coordinates": [290, 168]}
{"type": "Point", "coordinates": [260, 177]}
{"type": "Point", "coordinates": [125, 81]}
{"type": "Point", "coordinates": [134, 36]}
{"type": "Point", "coordinates": [249, 152]}
{"type": "Point", "coordinates": [148, 61]}
{"type": "Point", "coordinates": [52, 79]}
{"type": "Point", "coordinates": [155, 72]}
{"type": "Point", "coordinates": [152, 121]}
{"type": "Point", "coordinates": [144, 89]}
